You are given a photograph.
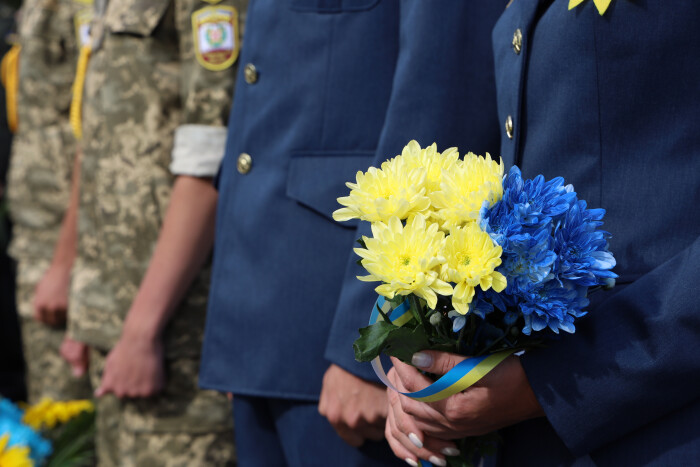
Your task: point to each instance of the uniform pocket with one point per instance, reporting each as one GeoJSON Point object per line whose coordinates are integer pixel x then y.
{"type": "Point", "coordinates": [332, 6]}
{"type": "Point", "coordinates": [137, 17]}
{"type": "Point", "coordinates": [317, 180]}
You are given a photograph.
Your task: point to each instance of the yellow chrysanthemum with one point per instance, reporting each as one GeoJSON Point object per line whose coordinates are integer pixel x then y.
{"type": "Point", "coordinates": [471, 259]}
{"type": "Point", "coordinates": [16, 456]}
{"type": "Point", "coordinates": [380, 194]}
{"type": "Point", "coordinates": [406, 259]}
{"type": "Point", "coordinates": [431, 160]}
{"type": "Point", "coordinates": [48, 413]}
{"type": "Point", "coordinates": [464, 190]}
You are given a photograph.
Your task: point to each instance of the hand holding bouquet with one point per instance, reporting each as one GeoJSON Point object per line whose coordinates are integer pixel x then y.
{"type": "Point", "coordinates": [470, 261]}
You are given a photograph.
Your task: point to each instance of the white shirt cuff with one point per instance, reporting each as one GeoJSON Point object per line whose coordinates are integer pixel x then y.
{"type": "Point", "coordinates": [198, 150]}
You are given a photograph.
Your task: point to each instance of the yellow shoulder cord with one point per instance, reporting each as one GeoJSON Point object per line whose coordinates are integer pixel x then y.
{"type": "Point", "coordinates": [76, 105]}
{"type": "Point", "coordinates": [9, 73]}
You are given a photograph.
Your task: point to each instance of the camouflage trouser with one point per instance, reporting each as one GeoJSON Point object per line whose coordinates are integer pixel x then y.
{"type": "Point", "coordinates": [48, 375]}
{"type": "Point", "coordinates": [182, 426]}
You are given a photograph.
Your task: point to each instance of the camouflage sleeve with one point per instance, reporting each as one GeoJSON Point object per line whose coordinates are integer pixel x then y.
{"type": "Point", "coordinates": [210, 38]}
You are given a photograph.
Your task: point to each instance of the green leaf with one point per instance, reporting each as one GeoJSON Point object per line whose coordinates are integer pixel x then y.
{"type": "Point", "coordinates": [74, 445]}
{"type": "Point", "coordinates": [403, 342]}
{"type": "Point", "coordinates": [372, 341]}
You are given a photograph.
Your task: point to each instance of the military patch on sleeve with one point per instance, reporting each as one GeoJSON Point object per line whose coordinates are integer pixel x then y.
{"type": "Point", "coordinates": [82, 21]}
{"type": "Point", "coordinates": [216, 42]}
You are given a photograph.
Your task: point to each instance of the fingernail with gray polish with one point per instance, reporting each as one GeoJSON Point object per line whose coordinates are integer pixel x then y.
{"type": "Point", "coordinates": [437, 461]}
{"type": "Point", "coordinates": [415, 440]}
{"type": "Point", "coordinates": [411, 462]}
{"type": "Point", "coordinates": [450, 452]}
{"type": "Point", "coordinates": [421, 360]}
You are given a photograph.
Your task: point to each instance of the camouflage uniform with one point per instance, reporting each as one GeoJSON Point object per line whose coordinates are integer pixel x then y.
{"type": "Point", "coordinates": [147, 99]}
{"type": "Point", "coordinates": [39, 178]}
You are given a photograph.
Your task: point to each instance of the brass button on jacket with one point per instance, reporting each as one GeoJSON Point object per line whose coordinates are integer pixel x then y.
{"type": "Point", "coordinates": [509, 127]}
{"type": "Point", "coordinates": [517, 41]}
{"type": "Point", "coordinates": [250, 73]}
{"type": "Point", "coordinates": [245, 163]}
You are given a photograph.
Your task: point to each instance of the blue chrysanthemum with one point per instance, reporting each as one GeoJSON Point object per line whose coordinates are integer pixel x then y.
{"type": "Point", "coordinates": [552, 306]}
{"type": "Point", "coordinates": [533, 202]}
{"type": "Point", "coordinates": [553, 251]}
{"type": "Point", "coordinates": [21, 434]}
{"type": "Point", "coordinates": [528, 259]}
{"type": "Point", "coordinates": [583, 256]}
{"type": "Point", "coordinates": [9, 411]}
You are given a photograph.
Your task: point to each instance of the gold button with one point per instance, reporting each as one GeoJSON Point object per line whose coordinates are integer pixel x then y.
{"type": "Point", "coordinates": [517, 41]}
{"type": "Point", "coordinates": [509, 127]}
{"type": "Point", "coordinates": [245, 163]}
{"type": "Point", "coordinates": [250, 73]}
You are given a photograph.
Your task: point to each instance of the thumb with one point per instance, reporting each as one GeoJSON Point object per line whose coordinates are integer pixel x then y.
{"type": "Point", "coordinates": [436, 362]}
{"type": "Point", "coordinates": [79, 366]}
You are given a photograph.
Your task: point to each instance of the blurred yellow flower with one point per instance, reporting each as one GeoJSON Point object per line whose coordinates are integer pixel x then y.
{"type": "Point", "coordinates": [16, 456]}
{"type": "Point", "coordinates": [471, 259]}
{"type": "Point", "coordinates": [406, 259]}
{"type": "Point", "coordinates": [466, 188]}
{"type": "Point", "coordinates": [431, 160]}
{"type": "Point", "coordinates": [380, 194]}
{"type": "Point", "coordinates": [48, 413]}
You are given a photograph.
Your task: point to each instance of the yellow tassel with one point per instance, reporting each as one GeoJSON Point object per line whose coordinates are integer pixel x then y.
{"type": "Point", "coordinates": [9, 73]}
{"type": "Point", "coordinates": [76, 105]}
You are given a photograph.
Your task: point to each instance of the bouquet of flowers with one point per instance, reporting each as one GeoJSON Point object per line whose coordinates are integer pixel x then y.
{"type": "Point", "coordinates": [49, 433]}
{"type": "Point", "coordinates": [471, 261]}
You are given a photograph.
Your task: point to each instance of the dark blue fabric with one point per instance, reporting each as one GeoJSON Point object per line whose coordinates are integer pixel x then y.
{"type": "Point", "coordinates": [342, 85]}
{"type": "Point", "coordinates": [612, 104]}
{"type": "Point", "coordinates": [283, 432]}
{"type": "Point", "coordinates": [443, 92]}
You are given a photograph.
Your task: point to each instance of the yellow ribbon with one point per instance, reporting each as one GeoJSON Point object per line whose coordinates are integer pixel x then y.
{"type": "Point", "coordinates": [602, 5]}
{"type": "Point", "coordinates": [9, 73]}
{"type": "Point", "coordinates": [76, 105]}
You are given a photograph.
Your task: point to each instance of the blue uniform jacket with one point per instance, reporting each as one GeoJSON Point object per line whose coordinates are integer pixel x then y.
{"type": "Point", "coordinates": [338, 85]}
{"type": "Point", "coordinates": [612, 103]}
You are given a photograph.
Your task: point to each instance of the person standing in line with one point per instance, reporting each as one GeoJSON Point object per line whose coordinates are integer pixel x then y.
{"type": "Point", "coordinates": [326, 89]}
{"type": "Point", "coordinates": [39, 187]}
{"type": "Point", "coordinates": [158, 84]}
{"type": "Point", "coordinates": [607, 99]}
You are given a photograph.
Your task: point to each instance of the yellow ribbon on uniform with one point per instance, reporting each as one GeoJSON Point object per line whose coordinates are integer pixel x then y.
{"type": "Point", "coordinates": [9, 73]}
{"type": "Point", "coordinates": [76, 105]}
{"type": "Point", "coordinates": [602, 5]}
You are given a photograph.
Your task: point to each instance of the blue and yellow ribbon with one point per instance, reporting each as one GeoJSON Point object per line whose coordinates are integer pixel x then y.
{"type": "Point", "coordinates": [460, 377]}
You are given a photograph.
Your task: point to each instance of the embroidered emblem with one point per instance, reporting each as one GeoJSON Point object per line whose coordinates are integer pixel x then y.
{"type": "Point", "coordinates": [216, 42]}
{"type": "Point", "coordinates": [82, 21]}
{"type": "Point", "coordinates": [602, 5]}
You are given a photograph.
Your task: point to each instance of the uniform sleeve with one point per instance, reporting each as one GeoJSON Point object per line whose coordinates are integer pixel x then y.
{"type": "Point", "coordinates": [635, 358]}
{"type": "Point", "coordinates": [208, 69]}
{"type": "Point", "coordinates": [429, 104]}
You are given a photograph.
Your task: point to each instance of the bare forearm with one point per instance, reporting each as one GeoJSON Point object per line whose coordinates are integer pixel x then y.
{"type": "Point", "coordinates": [183, 246]}
{"type": "Point", "coordinates": [64, 251]}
